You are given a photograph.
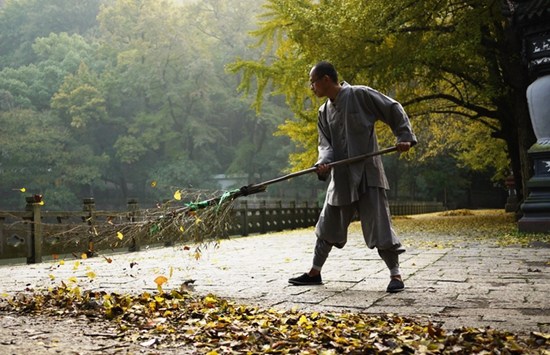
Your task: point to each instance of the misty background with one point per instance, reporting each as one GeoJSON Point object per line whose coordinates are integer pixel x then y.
{"type": "Point", "coordinates": [116, 99]}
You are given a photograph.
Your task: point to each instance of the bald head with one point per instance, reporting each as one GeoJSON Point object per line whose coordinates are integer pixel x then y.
{"type": "Point", "coordinates": [325, 68]}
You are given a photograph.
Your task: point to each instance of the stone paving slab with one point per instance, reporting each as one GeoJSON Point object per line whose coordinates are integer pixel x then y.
{"type": "Point", "coordinates": [477, 286]}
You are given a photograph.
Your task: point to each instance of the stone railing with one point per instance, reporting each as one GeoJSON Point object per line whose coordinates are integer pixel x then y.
{"type": "Point", "coordinates": [34, 233]}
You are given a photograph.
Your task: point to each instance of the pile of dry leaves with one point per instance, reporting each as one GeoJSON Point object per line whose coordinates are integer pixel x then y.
{"type": "Point", "coordinates": [179, 319]}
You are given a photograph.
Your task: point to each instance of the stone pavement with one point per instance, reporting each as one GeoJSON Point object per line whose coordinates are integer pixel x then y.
{"type": "Point", "coordinates": [475, 285]}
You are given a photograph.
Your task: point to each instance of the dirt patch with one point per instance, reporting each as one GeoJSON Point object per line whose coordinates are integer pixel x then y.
{"type": "Point", "coordinates": [40, 334]}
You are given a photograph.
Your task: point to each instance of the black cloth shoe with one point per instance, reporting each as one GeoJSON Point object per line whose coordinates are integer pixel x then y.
{"type": "Point", "coordinates": [305, 279]}
{"type": "Point", "coordinates": [396, 285]}
{"type": "Point", "coordinates": [399, 249]}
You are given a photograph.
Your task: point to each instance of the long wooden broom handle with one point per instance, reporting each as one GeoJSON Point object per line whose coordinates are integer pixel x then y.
{"type": "Point", "coordinates": [351, 160]}
{"type": "Point", "coordinates": [260, 187]}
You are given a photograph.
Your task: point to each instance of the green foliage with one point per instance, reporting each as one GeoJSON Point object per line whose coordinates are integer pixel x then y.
{"type": "Point", "coordinates": [181, 173]}
{"type": "Point", "coordinates": [79, 100]}
{"type": "Point", "coordinates": [133, 87]}
{"type": "Point", "coordinates": [138, 86]}
{"type": "Point", "coordinates": [433, 56]}
{"type": "Point", "coordinates": [39, 154]}
{"type": "Point", "coordinates": [23, 21]}
{"type": "Point", "coordinates": [32, 86]}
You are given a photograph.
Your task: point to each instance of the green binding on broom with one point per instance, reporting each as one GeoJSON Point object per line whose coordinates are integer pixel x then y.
{"type": "Point", "coordinates": [262, 186]}
{"type": "Point", "coordinates": [227, 195]}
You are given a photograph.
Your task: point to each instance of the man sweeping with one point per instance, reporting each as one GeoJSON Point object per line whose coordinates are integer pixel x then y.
{"type": "Point", "coordinates": [346, 129]}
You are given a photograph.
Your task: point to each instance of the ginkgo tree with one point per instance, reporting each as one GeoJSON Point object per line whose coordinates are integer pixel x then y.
{"type": "Point", "coordinates": [454, 66]}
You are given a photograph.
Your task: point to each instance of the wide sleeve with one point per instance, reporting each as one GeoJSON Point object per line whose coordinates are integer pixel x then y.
{"type": "Point", "coordinates": [392, 113]}
{"type": "Point", "coordinates": [324, 145]}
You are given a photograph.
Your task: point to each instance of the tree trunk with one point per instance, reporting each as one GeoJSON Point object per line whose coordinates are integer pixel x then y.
{"type": "Point", "coordinates": [519, 138]}
{"type": "Point", "coordinates": [513, 111]}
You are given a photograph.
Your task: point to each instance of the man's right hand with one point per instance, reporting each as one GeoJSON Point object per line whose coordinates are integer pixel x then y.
{"type": "Point", "coordinates": [323, 170]}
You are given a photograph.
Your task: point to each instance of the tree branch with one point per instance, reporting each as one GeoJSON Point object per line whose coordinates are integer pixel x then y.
{"type": "Point", "coordinates": [481, 111]}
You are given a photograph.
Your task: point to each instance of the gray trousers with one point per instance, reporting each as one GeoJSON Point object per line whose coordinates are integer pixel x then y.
{"type": "Point", "coordinates": [374, 212]}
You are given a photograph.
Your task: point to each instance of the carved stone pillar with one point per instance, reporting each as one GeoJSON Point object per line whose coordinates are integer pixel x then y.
{"type": "Point", "coordinates": [532, 19]}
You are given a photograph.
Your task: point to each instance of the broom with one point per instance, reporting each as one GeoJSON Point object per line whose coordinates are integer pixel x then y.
{"type": "Point", "coordinates": [262, 186]}
{"type": "Point", "coordinates": [214, 221]}
{"type": "Point", "coordinates": [200, 221]}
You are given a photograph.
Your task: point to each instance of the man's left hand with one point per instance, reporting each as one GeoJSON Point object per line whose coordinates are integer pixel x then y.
{"type": "Point", "coordinates": [403, 146]}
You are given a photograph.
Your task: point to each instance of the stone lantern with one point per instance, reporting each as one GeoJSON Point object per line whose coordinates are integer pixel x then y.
{"type": "Point", "coordinates": [532, 18]}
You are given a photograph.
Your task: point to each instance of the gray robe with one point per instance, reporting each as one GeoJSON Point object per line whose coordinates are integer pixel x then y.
{"type": "Point", "coordinates": [346, 129]}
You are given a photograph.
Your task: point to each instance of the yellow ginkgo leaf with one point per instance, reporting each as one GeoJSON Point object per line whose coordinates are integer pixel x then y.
{"type": "Point", "coordinates": [73, 279]}
{"type": "Point", "coordinates": [177, 195]}
{"type": "Point", "coordinates": [160, 280]}
{"type": "Point", "coordinates": [198, 220]}
{"type": "Point", "coordinates": [210, 301]}
{"type": "Point", "coordinates": [52, 277]}
{"type": "Point", "coordinates": [41, 203]}
{"type": "Point", "coordinates": [119, 235]}
{"type": "Point", "coordinates": [23, 189]}
{"type": "Point", "coordinates": [83, 256]}
{"type": "Point", "coordinates": [61, 262]}
{"type": "Point", "coordinates": [181, 229]}
{"type": "Point", "coordinates": [302, 320]}
{"type": "Point", "coordinates": [171, 271]}
{"type": "Point", "coordinates": [91, 274]}
{"type": "Point", "coordinates": [153, 183]}
{"type": "Point", "coordinates": [76, 265]}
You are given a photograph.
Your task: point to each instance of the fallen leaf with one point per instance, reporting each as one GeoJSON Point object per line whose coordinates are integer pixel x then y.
{"type": "Point", "coordinates": [149, 342]}
{"type": "Point", "coordinates": [160, 280]}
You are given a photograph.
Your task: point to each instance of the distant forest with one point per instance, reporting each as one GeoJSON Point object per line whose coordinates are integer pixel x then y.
{"type": "Point", "coordinates": [132, 99]}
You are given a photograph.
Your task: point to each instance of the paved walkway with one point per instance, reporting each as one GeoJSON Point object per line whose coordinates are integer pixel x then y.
{"type": "Point", "coordinates": [478, 286]}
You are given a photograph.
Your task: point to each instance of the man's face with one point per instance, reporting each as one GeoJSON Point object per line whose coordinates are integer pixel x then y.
{"type": "Point", "coordinates": [317, 84]}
